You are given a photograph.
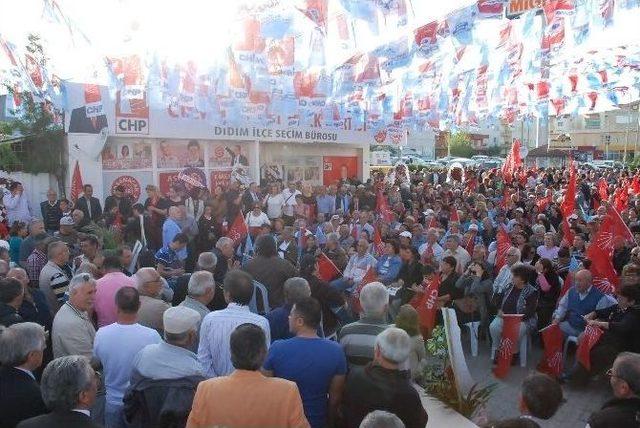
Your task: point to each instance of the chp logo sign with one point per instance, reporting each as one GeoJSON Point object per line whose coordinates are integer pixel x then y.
{"type": "Point", "coordinates": [130, 184]}
{"type": "Point", "coordinates": [193, 177]}
{"type": "Point", "coordinates": [132, 111]}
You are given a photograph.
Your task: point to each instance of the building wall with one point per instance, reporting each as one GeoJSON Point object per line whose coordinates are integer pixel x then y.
{"type": "Point", "coordinates": [607, 132]}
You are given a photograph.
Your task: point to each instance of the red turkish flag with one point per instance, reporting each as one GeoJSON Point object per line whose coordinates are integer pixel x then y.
{"type": "Point", "coordinates": [504, 243]}
{"type": "Point", "coordinates": [426, 304]}
{"type": "Point", "coordinates": [378, 245]}
{"type": "Point", "coordinates": [327, 271]}
{"type": "Point", "coordinates": [368, 278]}
{"type": "Point", "coordinates": [508, 344]}
{"type": "Point", "coordinates": [569, 202]}
{"type": "Point", "coordinates": [238, 230]}
{"type": "Point", "coordinates": [635, 185]}
{"type": "Point", "coordinates": [382, 208]}
{"type": "Point", "coordinates": [551, 363]}
{"type": "Point", "coordinates": [587, 341]}
{"type": "Point", "coordinates": [76, 183]}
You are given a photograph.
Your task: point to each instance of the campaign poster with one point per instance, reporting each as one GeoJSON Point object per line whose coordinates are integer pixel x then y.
{"type": "Point", "coordinates": [221, 179]}
{"type": "Point", "coordinates": [229, 155]}
{"type": "Point", "coordinates": [134, 183]}
{"type": "Point", "coordinates": [127, 154]}
{"type": "Point", "coordinates": [87, 105]}
{"type": "Point", "coordinates": [180, 154]}
{"type": "Point", "coordinates": [339, 168]}
{"type": "Point", "coordinates": [167, 179]}
{"type": "Point", "coordinates": [297, 169]}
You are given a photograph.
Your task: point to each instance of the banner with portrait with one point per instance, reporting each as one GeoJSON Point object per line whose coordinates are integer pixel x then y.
{"type": "Point", "coordinates": [126, 154]}
{"type": "Point", "coordinates": [306, 169]}
{"type": "Point", "coordinates": [180, 154]}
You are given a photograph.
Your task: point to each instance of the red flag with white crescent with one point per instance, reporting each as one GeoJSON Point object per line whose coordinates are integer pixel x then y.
{"type": "Point", "coordinates": [76, 183]}
{"type": "Point", "coordinates": [552, 339]}
{"type": "Point", "coordinates": [426, 304]}
{"type": "Point", "coordinates": [508, 344]}
{"type": "Point", "coordinates": [587, 341]}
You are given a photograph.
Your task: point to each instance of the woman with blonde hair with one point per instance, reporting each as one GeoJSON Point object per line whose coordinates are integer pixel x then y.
{"type": "Point", "coordinates": [407, 320]}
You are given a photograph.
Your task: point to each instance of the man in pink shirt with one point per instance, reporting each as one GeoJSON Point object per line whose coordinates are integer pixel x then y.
{"type": "Point", "coordinates": [107, 286]}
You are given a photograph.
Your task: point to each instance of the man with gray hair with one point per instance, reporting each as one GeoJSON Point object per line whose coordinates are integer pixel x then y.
{"type": "Point", "coordinates": [55, 275]}
{"type": "Point", "coordinates": [152, 306]}
{"type": "Point", "coordinates": [36, 227]}
{"type": "Point", "coordinates": [21, 350]}
{"type": "Point", "coordinates": [623, 410]}
{"type": "Point", "coordinates": [503, 279]}
{"type": "Point", "coordinates": [201, 290]}
{"type": "Point", "coordinates": [453, 249]}
{"type": "Point", "coordinates": [381, 384]}
{"type": "Point", "coordinates": [381, 419]}
{"type": "Point", "coordinates": [69, 387]}
{"type": "Point", "coordinates": [358, 338]}
{"type": "Point", "coordinates": [165, 375]}
{"type": "Point", "coordinates": [207, 261]}
{"type": "Point", "coordinates": [73, 331]}
{"type": "Point", "coordinates": [295, 289]}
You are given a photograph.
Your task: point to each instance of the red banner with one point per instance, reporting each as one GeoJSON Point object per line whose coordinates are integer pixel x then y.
{"type": "Point", "coordinates": [327, 271]}
{"type": "Point", "coordinates": [76, 183]}
{"type": "Point", "coordinates": [603, 189]}
{"type": "Point", "coordinates": [382, 208]}
{"type": "Point", "coordinates": [504, 243]}
{"type": "Point", "coordinates": [587, 341]}
{"type": "Point", "coordinates": [426, 305]}
{"type": "Point", "coordinates": [551, 363]}
{"type": "Point", "coordinates": [220, 178]}
{"type": "Point", "coordinates": [508, 344]}
{"type": "Point", "coordinates": [238, 230]}
{"type": "Point", "coordinates": [166, 180]}
{"type": "Point", "coordinates": [378, 245]}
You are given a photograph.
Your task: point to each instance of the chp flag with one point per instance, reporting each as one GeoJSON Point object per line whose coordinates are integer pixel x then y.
{"type": "Point", "coordinates": [508, 344]}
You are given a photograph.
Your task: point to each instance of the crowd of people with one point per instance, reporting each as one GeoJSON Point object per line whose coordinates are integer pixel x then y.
{"type": "Point", "coordinates": [288, 305]}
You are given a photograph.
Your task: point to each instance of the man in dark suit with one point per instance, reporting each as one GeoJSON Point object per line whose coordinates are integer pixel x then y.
{"type": "Point", "coordinates": [250, 197]}
{"type": "Point", "coordinates": [51, 212]}
{"type": "Point", "coordinates": [89, 205]}
{"type": "Point", "coordinates": [121, 200]}
{"type": "Point", "coordinates": [69, 388]}
{"type": "Point", "coordinates": [138, 228]}
{"type": "Point", "coordinates": [22, 349]}
{"type": "Point", "coordinates": [81, 124]}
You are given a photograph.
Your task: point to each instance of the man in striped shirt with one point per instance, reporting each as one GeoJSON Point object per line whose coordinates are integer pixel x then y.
{"type": "Point", "coordinates": [55, 275]}
{"type": "Point", "coordinates": [358, 338]}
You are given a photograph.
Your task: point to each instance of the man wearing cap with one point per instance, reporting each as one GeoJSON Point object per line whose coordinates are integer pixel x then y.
{"type": "Point", "coordinates": [115, 347]}
{"type": "Point", "coordinates": [68, 235]}
{"type": "Point", "coordinates": [165, 375]}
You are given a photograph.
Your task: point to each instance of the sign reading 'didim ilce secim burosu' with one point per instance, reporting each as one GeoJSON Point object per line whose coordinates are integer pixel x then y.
{"type": "Point", "coordinates": [289, 135]}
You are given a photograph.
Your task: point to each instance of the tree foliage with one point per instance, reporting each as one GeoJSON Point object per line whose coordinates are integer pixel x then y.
{"type": "Point", "coordinates": [40, 148]}
{"type": "Point", "coordinates": [460, 145]}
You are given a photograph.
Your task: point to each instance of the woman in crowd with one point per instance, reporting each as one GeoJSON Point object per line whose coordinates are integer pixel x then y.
{"type": "Point", "coordinates": [519, 298]}
{"type": "Point", "coordinates": [476, 284]}
{"type": "Point", "coordinates": [410, 275]}
{"type": "Point", "coordinates": [407, 320]}
{"type": "Point", "coordinates": [549, 287]}
{"type": "Point", "coordinates": [448, 291]}
{"type": "Point", "coordinates": [208, 231]}
{"type": "Point", "coordinates": [255, 219]}
{"type": "Point", "coordinates": [388, 267]}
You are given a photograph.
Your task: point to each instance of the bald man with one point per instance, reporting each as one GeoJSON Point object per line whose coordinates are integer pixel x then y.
{"type": "Point", "coordinates": [581, 299]}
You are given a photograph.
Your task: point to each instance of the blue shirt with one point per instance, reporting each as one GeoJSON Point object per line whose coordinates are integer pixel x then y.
{"type": "Point", "coordinates": [169, 231]}
{"type": "Point", "coordinates": [279, 322]}
{"type": "Point", "coordinates": [311, 363]}
{"type": "Point", "coordinates": [168, 257]}
{"type": "Point", "coordinates": [388, 268]}
{"type": "Point", "coordinates": [326, 204]}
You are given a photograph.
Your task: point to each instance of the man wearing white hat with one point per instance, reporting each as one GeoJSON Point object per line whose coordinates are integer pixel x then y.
{"type": "Point", "coordinates": [165, 375]}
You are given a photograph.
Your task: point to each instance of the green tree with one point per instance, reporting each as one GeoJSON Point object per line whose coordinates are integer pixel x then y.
{"type": "Point", "coordinates": [460, 145]}
{"type": "Point", "coordinates": [41, 144]}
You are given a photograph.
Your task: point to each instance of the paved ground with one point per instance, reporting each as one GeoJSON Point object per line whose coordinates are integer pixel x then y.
{"type": "Point", "coordinates": [579, 405]}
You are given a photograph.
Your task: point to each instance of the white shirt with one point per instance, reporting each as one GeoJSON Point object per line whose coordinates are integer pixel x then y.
{"type": "Point", "coordinates": [462, 258]}
{"type": "Point", "coordinates": [257, 221]}
{"type": "Point", "coordinates": [214, 351]}
{"type": "Point", "coordinates": [436, 248]}
{"type": "Point", "coordinates": [18, 207]}
{"type": "Point", "coordinates": [115, 346]}
{"type": "Point", "coordinates": [274, 205]}
{"type": "Point", "coordinates": [289, 200]}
